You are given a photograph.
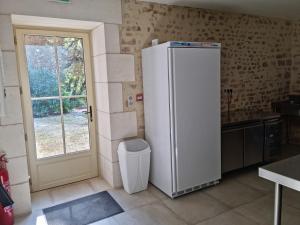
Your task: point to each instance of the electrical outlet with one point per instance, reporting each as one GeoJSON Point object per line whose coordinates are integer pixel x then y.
{"type": "Point", "coordinates": [130, 100]}
{"type": "Point", "coordinates": [228, 91]}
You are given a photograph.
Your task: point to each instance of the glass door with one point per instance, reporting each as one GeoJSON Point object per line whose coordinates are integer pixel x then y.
{"type": "Point", "coordinates": [58, 106]}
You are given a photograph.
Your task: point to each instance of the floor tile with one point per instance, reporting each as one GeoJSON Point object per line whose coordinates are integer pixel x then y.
{"type": "Point", "coordinates": [128, 201]}
{"type": "Point", "coordinates": [195, 207]}
{"type": "Point", "coordinates": [41, 200]}
{"type": "Point", "coordinates": [35, 218]}
{"type": "Point", "coordinates": [233, 193]}
{"type": "Point", "coordinates": [291, 197]}
{"type": "Point", "coordinates": [108, 221]}
{"type": "Point", "coordinates": [228, 218]}
{"type": "Point", "coordinates": [252, 197]}
{"type": "Point", "coordinates": [70, 192]}
{"type": "Point", "coordinates": [156, 192]}
{"type": "Point", "coordinates": [153, 214]}
{"type": "Point", "coordinates": [98, 184]}
{"type": "Point", "coordinates": [252, 179]}
{"type": "Point", "coordinates": [262, 212]}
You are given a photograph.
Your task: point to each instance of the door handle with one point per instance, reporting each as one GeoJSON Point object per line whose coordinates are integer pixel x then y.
{"type": "Point", "coordinates": [90, 113]}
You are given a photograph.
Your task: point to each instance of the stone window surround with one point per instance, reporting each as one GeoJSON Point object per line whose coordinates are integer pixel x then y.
{"type": "Point", "coordinates": [111, 69]}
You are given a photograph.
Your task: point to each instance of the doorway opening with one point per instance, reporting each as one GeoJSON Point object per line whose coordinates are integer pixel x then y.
{"type": "Point", "coordinates": [58, 104]}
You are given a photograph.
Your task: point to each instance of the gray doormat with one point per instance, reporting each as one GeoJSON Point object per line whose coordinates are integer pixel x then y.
{"type": "Point", "coordinates": [83, 211]}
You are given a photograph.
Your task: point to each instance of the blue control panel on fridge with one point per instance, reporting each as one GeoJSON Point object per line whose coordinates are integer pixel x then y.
{"type": "Point", "coordinates": [176, 44]}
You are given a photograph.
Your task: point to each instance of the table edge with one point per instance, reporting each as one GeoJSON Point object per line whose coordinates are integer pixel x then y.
{"type": "Point", "coordinates": [279, 179]}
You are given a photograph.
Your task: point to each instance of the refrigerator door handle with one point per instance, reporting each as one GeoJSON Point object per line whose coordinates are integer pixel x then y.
{"type": "Point", "coordinates": [172, 121]}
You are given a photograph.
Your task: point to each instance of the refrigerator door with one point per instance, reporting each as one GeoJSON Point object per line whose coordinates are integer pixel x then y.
{"type": "Point", "coordinates": [157, 115]}
{"type": "Point", "coordinates": [195, 74]}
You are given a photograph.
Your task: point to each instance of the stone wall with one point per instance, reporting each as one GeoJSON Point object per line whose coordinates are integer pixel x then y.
{"type": "Point", "coordinates": [295, 77]}
{"type": "Point", "coordinates": [256, 57]}
{"type": "Point", "coordinates": [295, 38]}
{"type": "Point", "coordinates": [111, 69]}
{"type": "Point", "coordinates": [12, 139]}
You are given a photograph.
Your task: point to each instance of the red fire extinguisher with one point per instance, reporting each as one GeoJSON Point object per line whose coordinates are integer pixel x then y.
{"type": "Point", "coordinates": [6, 209]}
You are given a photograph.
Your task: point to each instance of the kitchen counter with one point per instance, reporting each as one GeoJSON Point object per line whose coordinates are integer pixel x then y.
{"type": "Point", "coordinates": [249, 138]}
{"type": "Point", "coordinates": [240, 117]}
{"type": "Point", "coordinates": [287, 108]}
{"type": "Point", "coordinates": [290, 111]}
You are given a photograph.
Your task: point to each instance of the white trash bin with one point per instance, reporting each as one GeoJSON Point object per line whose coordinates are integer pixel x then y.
{"type": "Point", "coordinates": [134, 159]}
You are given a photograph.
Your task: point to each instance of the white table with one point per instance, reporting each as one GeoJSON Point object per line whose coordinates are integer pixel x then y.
{"type": "Point", "coordinates": [283, 173]}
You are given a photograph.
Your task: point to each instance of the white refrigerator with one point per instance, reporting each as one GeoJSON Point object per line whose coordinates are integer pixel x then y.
{"type": "Point", "coordinates": [182, 115]}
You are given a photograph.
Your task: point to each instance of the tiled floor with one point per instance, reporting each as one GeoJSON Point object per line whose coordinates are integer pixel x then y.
{"type": "Point", "coordinates": [241, 198]}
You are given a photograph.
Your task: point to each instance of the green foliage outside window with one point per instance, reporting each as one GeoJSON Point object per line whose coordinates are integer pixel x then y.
{"type": "Point", "coordinates": [44, 81]}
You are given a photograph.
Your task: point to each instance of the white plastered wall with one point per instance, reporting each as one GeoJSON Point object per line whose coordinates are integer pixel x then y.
{"type": "Point", "coordinates": [110, 69]}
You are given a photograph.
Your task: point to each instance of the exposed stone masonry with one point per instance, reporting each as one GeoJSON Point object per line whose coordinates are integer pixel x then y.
{"type": "Point", "coordinates": [295, 81]}
{"type": "Point", "coordinates": [295, 77]}
{"type": "Point", "coordinates": [256, 51]}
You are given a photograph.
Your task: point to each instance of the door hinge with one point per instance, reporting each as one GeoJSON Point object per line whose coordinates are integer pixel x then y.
{"type": "Point", "coordinates": [30, 182]}
{"type": "Point", "coordinates": [26, 137]}
{"type": "Point", "coordinates": [21, 90]}
{"type": "Point", "coordinates": [15, 40]}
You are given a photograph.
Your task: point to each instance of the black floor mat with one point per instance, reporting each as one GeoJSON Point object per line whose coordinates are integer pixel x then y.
{"type": "Point", "coordinates": [84, 210]}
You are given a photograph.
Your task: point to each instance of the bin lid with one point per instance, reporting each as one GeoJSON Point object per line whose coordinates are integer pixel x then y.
{"type": "Point", "coordinates": [134, 145]}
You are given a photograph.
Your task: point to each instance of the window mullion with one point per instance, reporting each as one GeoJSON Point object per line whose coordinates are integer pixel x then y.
{"type": "Point", "coordinates": [60, 94]}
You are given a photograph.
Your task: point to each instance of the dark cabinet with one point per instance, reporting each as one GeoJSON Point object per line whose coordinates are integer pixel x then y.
{"type": "Point", "coordinates": [253, 144]}
{"type": "Point", "coordinates": [272, 139]}
{"type": "Point", "coordinates": [242, 146]}
{"type": "Point", "coordinates": [249, 138]}
{"type": "Point", "coordinates": [232, 149]}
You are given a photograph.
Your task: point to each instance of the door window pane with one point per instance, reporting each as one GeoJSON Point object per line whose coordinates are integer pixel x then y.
{"type": "Point", "coordinates": [47, 127]}
{"type": "Point", "coordinates": [57, 81]}
{"type": "Point", "coordinates": [71, 66]}
{"type": "Point", "coordinates": [41, 65]}
{"type": "Point", "coordinates": [76, 125]}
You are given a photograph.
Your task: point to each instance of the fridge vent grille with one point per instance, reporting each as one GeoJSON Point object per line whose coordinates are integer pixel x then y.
{"type": "Point", "coordinates": [198, 187]}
